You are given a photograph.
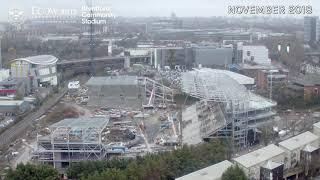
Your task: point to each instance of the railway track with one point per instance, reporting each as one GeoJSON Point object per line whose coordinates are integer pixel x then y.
{"type": "Point", "coordinates": [20, 128]}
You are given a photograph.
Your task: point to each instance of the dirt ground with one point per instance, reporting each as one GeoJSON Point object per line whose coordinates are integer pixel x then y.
{"type": "Point", "coordinates": [20, 150]}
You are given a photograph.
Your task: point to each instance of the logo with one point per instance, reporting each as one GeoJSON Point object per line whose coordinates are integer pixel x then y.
{"type": "Point", "coordinates": [16, 17]}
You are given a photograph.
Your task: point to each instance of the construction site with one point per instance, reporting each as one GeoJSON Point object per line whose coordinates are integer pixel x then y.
{"type": "Point", "coordinates": [125, 116]}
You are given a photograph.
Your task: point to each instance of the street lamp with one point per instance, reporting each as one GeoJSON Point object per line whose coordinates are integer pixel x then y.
{"type": "Point", "coordinates": [274, 71]}
{"type": "Point", "coordinates": [271, 77]}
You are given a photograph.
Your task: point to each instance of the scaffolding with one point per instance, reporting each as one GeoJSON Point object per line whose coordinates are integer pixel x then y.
{"type": "Point", "coordinates": [156, 91]}
{"type": "Point", "coordinates": [221, 93]}
{"type": "Point", "coordinates": [72, 140]}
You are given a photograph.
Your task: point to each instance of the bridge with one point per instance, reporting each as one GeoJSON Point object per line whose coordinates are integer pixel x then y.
{"type": "Point", "coordinates": [105, 58]}
{"type": "Point", "coordinates": [314, 53]}
{"type": "Point", "coordinates": [82, 65]}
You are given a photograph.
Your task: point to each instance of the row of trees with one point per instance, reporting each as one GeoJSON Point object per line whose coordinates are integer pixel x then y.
{"type": "Point", "coordinates": [286, 99]}
{"type": "Point", "coordinates": [32, 172]}
{"type": "Point", "coordinates": [166, 165]}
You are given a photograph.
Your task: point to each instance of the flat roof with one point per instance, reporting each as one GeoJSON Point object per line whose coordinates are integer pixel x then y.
{"type": "Point", "coordinates": [257, 66]}
{"type": "Point", "coordinates": [317, 125]}
{"type": "Point", "coordinates": [272, 165]}
{"type": "Point", "coordinates": [83, 123]}
{"type": "Point", "coordinates": [213, 172]}
{"type": "Point", "coordinates": [307, 80]}
{"type": "Point", "coordinates": [11, 103]}
{"type": "Point", "coordinates": [299, 141]}
{"type": "Point", "coordinates": [310, 148]}
{"type": "Point", "coordinates": [258, 102]}
{"type": "Point", "coordinates": [113, 80]}
{"type": "Point", "coordinates": [259, 156]}
{"type": "Point", "coordinates": [40, 60]}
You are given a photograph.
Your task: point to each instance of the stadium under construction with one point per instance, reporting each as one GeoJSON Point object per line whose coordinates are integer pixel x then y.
{"type": "Point", "coordinates": [226, 108]}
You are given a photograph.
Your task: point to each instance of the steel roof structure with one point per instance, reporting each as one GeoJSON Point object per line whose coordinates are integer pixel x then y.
{"type": "Point", "coordinates": [214, 85]}
{"type": "Point", "coordinates": [227, 88]}
{"type": "Point", "coordinates": [83, 129]}
{"type": "Point", "coordinates": [39, 60]}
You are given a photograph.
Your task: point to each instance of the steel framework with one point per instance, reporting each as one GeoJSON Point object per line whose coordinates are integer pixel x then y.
{"type": "Point", "coordinates": [73, 140]}
{"type": "Point", "coordinates": [214, 87]}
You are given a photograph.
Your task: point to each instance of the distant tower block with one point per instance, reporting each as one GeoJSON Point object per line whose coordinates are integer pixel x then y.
{"type": "Point", "coordinates": [126, 60]}
{"type": "Point", "coordinates": [0, 54]}
{"type": "Point", "coordinates": [110, 48]}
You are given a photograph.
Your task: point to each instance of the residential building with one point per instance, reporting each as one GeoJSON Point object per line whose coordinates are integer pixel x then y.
{"type": "Point", "coordinates": [255, 54]}
{"type": "Point", "coordinates": [311, 29]}
{"type": "Point", "coordinates": [252, 162]}
{"type": "Point", "coordinates": [213, 172]}
{"type": "Point", "coordinates": [272, 171]}
{"type": "Point", "coordinates": [316, 129]}
{"type": "Point", "coordinates": [293, 147]}
{"type": "Point", "coordinates": [266, 78]}
{"type": "Point", "coordinates": [307, 85]}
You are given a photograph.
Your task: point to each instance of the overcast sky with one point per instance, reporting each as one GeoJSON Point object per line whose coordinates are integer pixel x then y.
{"type": "Point", "coordinates": [133, 8]}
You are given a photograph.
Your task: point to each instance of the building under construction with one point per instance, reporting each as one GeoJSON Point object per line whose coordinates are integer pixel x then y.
{"type": "Point", "coordinates": [126, 91]}
{"type": "Point", "coordinates": [72, 140]}
{"type": "Point", "coordinates": [226, 108]}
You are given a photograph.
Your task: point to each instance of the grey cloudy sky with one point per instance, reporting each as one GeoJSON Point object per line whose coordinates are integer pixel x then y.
{"type": "Point", "coordinates": [152, 7]}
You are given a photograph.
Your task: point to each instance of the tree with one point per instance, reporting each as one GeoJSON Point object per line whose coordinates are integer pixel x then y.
{"type": "Point", "coordinates": [32, 172]}
{"type": "Point", "coordinates": [166, 165]}
{"type": "Point", "coordinates": [111, 174]}
{"type": "Point", "coordinates": [234, 173]}
{"type": "Point", "coordinates": [172, 58]}
{"type": "Point", "coordinates": [12, 53]}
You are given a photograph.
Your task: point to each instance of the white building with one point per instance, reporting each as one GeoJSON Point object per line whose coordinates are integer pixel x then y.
{"type": "Point", "coordinates": [39, 70]}
{"type": "Point", "coordinates": [4, 74]}
{"type": "Point", "coordinates": [139, 51]}
{"type": "Point", "coordinates": [213, 172]}
{"type": "Point", "coordinates": [316, 129]}
{"type": "Point", "coordinates": [257, 54]}
{"type": "Point", "coordinates": [253, 161]}
{"type": "Point", "coordinates": [294, 145]}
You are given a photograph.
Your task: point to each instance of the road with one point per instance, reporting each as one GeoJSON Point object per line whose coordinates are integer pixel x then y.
{"type": "Point", "coordinates": [20, 128]}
